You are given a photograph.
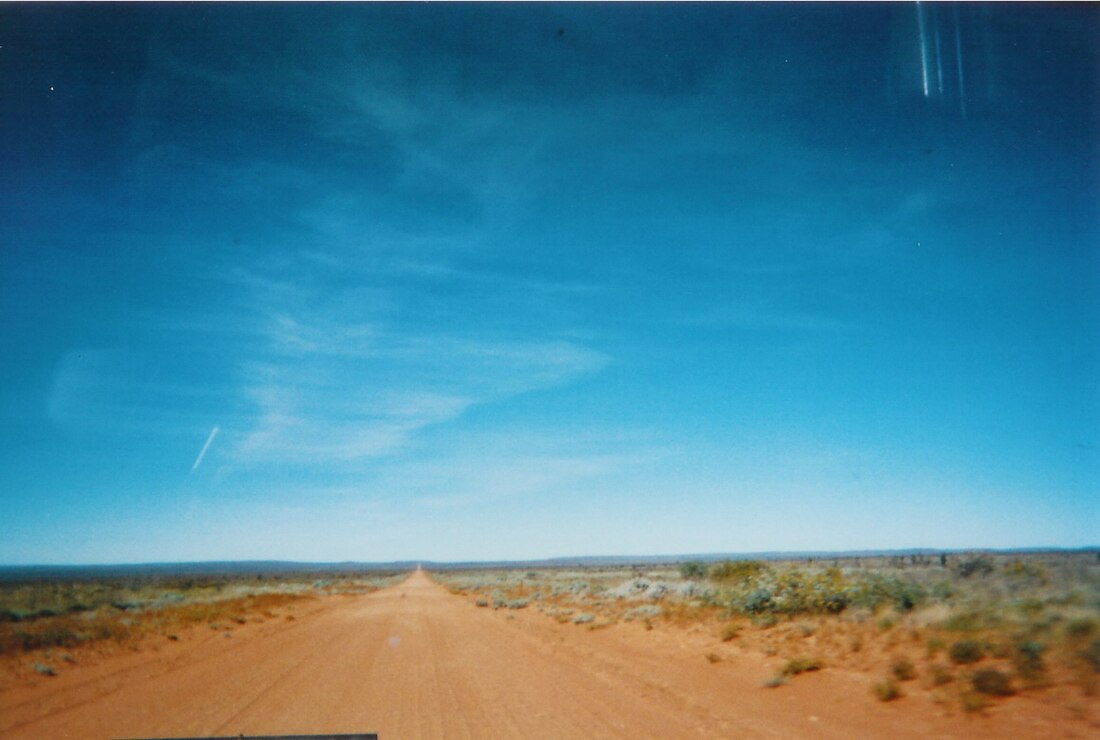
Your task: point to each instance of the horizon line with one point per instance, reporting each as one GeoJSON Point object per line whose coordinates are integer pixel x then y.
{"type": "Point", "coordinates": [654, 558]}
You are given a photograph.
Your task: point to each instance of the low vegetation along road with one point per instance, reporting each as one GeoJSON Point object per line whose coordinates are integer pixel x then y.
{"type": "Point", "coordinates": [416, 661]}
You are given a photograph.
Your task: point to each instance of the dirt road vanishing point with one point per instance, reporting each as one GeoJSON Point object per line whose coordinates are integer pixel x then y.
{"type": "Point", "coordinates": [416, 661]}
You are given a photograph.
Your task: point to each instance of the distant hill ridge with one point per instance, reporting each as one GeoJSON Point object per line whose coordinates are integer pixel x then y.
{"type": "Point", "coordinates": [274, 567]}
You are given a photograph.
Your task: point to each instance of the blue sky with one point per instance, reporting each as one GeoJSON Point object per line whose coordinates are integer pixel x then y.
{"type": "Point", "coordinates": [515, 281]}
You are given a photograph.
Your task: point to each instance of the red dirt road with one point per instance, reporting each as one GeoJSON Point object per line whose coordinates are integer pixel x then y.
{"type": "Point", "coordinates": [415, 661]}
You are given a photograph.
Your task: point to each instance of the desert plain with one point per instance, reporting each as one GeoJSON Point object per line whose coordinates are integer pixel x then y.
{"type": "Point", "coordinates": [979, 645]}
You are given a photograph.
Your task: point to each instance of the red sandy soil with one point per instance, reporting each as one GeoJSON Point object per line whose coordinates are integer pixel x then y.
{"type": "Point", "coordinates": [416, 661]}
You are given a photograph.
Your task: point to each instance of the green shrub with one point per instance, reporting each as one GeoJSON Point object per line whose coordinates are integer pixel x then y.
{"type": "Point", "coordinates": [982, 565]}
{"type": "Point", "coordinates": [991, 682]}
{"type": "Point", "coordinates": [941, 675]}
{"type": "Point", "coordinates": [1091, 655]}
{"type": "Point", "coordinates": [730, 571]}
{"type": "Point", "coordinates": [1024, 570]}
{"type": "Point", "coordinates": [876, 590]}
{"type": "Point", "coordinates": [903, 670]}
{"type": "Point", "coordinates": [887, 690]}
{"type": "Point", "coordinates": [1080, 629]}
{"type": "Point", "coordinates": [757, 601]}
{"type": "Point", "coordinates": [966, 651]}
{"type": "Point", "coordinates": [801, 665]}
{"type": "Point", "coordinates": [764, 621]}
{"type": "Point", "coordinates": [762, 591]}
{"type": "Point", "coordinates": [973, 702]}
{"type": "Point", "coordinates": [968, 621]}
{"type": "Point", "coordinates": [1028, 659]}
{"type": "Point", "coordinates": [797, 592]}
{"type": "Point", "coordinates": [693, 570]}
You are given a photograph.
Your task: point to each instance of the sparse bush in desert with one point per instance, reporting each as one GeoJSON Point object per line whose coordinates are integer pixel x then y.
{"type": "Point", "coordinates": [973, 702]}
{"type": "Point", "coordinates": [42, 615]}
{"type": "Point", "coordinates": [980, 565]}
{"type": "Point", "coordinates": [903, 670]}
{"type": "Point", "coordinates": [645, 611]}
{"type": "Point", "coordinates": [991, 682]}
{"type": "Point", "coordinates": [693, 570]}
{"type": "Point", "coordinates": [1091, 655]}
{"type": "Point", "coordinates": [733, 571]}
{"type": "Point", "coordinates": [1028, 659]}
{"type": "Point", "coordinates": [966, 651]}
{"type": "Point", "coordinates": [941, 675]}
{"type": "Point", "coordinates": [801, 665]}
{"type": "Point", "coordinates": [1035, 614]}
{"type": "Point", "coordinates": [887, 690]}
{"type": "Point", "coordinates": [1080, 629]}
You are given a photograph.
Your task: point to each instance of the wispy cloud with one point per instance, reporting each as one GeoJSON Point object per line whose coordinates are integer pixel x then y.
{"type": "Point", "coordinates": [371, 401]}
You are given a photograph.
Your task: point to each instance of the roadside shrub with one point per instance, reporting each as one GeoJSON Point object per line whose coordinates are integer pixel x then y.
{"type": "Point", "coordinates": [1091, 655]}
{"type": "Point", "coordinates": [1028, 659]}
{"type": "Point", "coordinates": [729, 632]}
{"type": "Point", "coordinates": [757, 601]}
{"type": "Point", "coordinates": [729, 571]}
{"type": "Point", "coordinates": [1080, 629]}
{"type": "Point", "coordinates": [876, 590]}
{"type": "Point", "coordinates": [764, 621]}
{"type": "Point", "coordinates": [797, 592]}
{"type": "Point", "coordinates": [1031, 608]}
{"type": "Point", "coordinates": [991, 682]}
{"type": "Point", "coordinates": [981, 565]}
{"type": "Point", "coordinates": [887, 690]}
{"type": "Point", "coordinates": [801, 665]}
{"type": "Point", "coordinates": [645, 611]}
{"type": "Point", "coordinates": [967, 621]}
{"type": "Point", "coordinates": [903, 670]}
{"type": "Point", "coordinates": [583, 618]}
{"type": "Point", "coordinates": [941, 675]}
{"type": "Point", "coordinates": [966, 651]}
{"type": "Point", "coordinates": [1027, 571]}
{"type": "Point", "coordinates": [761, 591]}
{"type": "Point", "coordinates": [693, 570]}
